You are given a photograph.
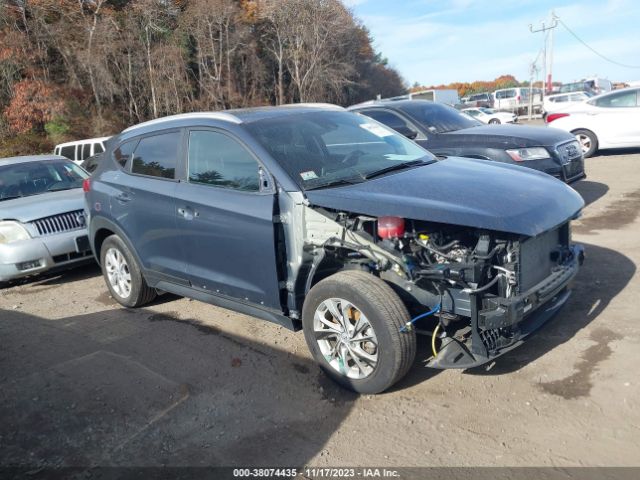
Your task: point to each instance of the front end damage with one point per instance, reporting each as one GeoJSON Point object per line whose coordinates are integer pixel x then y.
{"type": "Point", "coordinates": [487, 290]}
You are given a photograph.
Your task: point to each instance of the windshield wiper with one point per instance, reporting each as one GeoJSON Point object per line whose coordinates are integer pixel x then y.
{"type": "Point", "coordinates": [61, 189]}
{"type": "Point", "coordinates": [334, 183]}
{"type": "Point", "coordinates": [398, 166]}
{"type": "Point", "coordinates": [11, 197]}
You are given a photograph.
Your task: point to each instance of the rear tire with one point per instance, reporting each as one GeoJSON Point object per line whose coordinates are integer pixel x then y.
{"type": "Point", "coordinates": [494, 121]}
{"type": "Point", "coordinates": [588, 141]}
{"type": "Point", "coordinates": [370, 353]}
{"type": "Point", "coordinates": [122, 274]}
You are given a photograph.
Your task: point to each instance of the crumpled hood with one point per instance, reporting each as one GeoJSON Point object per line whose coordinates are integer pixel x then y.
{"type": "Point", "coordinates": [511, 136]}
{"type": "Point", "coordinates": [27, 209]}
{"type": "Point", "coordinates": [462, 191]}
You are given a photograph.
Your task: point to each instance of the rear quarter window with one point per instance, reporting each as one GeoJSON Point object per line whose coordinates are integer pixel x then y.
{"type": "Point", "coordinates": [123, 154]}
{"type": "Point", "coordinates": [157, 155]}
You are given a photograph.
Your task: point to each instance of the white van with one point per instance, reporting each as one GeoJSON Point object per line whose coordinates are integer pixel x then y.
{"type": "Point", "coordinates": [517, 99]}
{"type": "Point", "coordinates": [81, 149]}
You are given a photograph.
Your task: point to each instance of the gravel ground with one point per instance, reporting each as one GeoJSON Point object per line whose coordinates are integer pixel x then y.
{"type": "Point", "coordinates": [85, 382]}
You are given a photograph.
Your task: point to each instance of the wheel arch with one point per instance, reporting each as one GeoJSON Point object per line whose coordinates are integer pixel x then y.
{"type": "Point", "coordinates": [102, 228]}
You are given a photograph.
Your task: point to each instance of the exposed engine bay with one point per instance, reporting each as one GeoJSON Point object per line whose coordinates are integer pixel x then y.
{"type": "Point", "coordinates": [471, 290]}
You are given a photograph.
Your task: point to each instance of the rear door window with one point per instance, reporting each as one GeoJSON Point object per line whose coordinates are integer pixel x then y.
{"type": "Point", "coordinates": [618, 100]}
{"type": "Point", "coordinates": [157, 155]}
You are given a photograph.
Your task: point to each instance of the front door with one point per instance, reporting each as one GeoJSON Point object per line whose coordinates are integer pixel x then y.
{"type": "Point", "coordinates": [225, 215]}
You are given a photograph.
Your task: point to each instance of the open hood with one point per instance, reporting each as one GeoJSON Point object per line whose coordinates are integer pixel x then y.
{"type": "Point", "coordinates": [461, 191]}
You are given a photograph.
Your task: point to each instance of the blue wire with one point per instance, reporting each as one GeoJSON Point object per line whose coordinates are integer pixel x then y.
{"type": "Point", "coordinates": [436, 309]}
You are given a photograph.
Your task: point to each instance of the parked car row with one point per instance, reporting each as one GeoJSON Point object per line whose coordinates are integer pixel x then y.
{"type": "Point", "coordinates": [515, 100]}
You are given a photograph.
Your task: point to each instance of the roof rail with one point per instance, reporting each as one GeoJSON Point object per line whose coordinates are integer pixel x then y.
{"type": "Point", "coordinates": [325, 106]}
{"type": "Point", "coordinates": [183, 116]}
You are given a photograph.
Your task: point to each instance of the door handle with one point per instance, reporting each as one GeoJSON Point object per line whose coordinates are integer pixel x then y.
{"type": "Point", "coordinates": [123, 197]}
{"type": "Point", "coordinates": [187, 213]}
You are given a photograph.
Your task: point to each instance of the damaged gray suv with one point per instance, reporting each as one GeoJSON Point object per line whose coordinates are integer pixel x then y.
{"type": "Point", "coordinates": [324, 220]}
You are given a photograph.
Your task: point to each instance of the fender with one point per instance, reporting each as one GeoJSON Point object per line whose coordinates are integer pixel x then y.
{"type": "Point", "coordinates": [97, 223]}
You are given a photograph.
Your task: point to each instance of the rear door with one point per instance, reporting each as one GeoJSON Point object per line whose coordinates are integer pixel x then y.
{"type": "Point", "coordinates": [225, 212]}
{"type": "Point", "coordinates": [616, 118]}
{"type": "Point", "coordinates": [143, 203]}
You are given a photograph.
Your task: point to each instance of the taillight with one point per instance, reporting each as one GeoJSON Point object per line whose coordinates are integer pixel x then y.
{"type": "Point", "coordinates": [554, 116]}
{"type": "Point", "coordinates": [518, 98]}
{"type": "Point", "coordinates": [390, 227]}
{"type": "Point", "coordinates": [86, 185]}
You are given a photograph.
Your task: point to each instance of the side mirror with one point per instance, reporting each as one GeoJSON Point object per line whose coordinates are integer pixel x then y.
{"type": "Point", "coordinates": [408, 132]}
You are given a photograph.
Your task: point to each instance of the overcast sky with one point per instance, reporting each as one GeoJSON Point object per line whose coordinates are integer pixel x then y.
{"type": "Point", "coordinates": [434, 42]}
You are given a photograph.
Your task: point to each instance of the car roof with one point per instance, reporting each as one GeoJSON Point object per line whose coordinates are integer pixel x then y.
{"type": "Point", "coordinates": [611, 92]}
{"type": "Point", "coordinates": [392, 103]}
{"type": "Point", "coordinates": [81, 142]}
{"type": "Point", "coordinates": [240, 115]}
{"type": "Point", "coordinates": [566, 93]}
{"type": "Point", "coordinates": [30, 158]}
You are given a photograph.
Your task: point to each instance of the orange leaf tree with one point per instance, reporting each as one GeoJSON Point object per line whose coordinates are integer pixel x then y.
{"type": "Point", "coordinates": [34, 103]}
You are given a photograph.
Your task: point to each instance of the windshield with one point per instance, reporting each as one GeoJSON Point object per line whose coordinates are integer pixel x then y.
{"type": "Point", "coordinates": [488, 111]}
{"type": "Point", "coordinates": [438, 118]}
{"type": "Point", "coordinates": [324, 148]}
{"type": "Point", "coordinates": [33, 178]}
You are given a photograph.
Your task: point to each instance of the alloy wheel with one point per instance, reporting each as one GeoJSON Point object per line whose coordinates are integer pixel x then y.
{"type": "Point", "coordinates": [346, 338]}
{"type": "Point", "coordinates": [118, 272]}
{"type": "Point", "coordinates": [585, 142]}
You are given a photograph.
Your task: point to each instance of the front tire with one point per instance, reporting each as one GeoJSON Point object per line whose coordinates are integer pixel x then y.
{"type": "Point", "coordinates": [588, 142]}
{"type": "Point", "coordinates": [352, 323]}
{"type": "Point", "coordinates": [122, 274]}
{"type": "Point", "coordinates": [494, 121]}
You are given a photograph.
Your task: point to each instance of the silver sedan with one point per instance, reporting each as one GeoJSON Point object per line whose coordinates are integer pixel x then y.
{"type": "Point", "coordinates": [42, 224]}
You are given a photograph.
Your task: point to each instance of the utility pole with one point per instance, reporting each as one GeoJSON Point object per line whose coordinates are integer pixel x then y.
{"type": "Point", "coordinates": [544, 28]}
{"type": "Point", "coordinates": [532, 73]}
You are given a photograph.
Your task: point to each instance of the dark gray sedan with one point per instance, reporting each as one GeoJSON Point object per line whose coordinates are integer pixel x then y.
{"type": "Point", "coordinates": [42, 222]}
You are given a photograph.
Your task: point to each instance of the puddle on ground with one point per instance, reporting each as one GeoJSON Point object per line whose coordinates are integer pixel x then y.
{"type": "Point", "coordinates": [579, 383]}
{"type": "Point", "coordinates": [622, 212]}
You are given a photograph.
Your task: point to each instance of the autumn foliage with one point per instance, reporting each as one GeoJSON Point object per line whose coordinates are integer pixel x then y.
{"type": "Point", "coordinates": [94, 67]}
{"type": "Point", "coordinates": [479, 86]}
{"type": "Point", "coordinates": [33, 104]}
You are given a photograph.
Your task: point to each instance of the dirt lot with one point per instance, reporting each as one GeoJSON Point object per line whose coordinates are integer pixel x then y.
{"type": "Point", "coordinates": [85, 382]}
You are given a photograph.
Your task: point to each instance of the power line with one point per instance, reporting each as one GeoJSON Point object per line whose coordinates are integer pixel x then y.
{"type": "Point", "coordinates": [592, 49]}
